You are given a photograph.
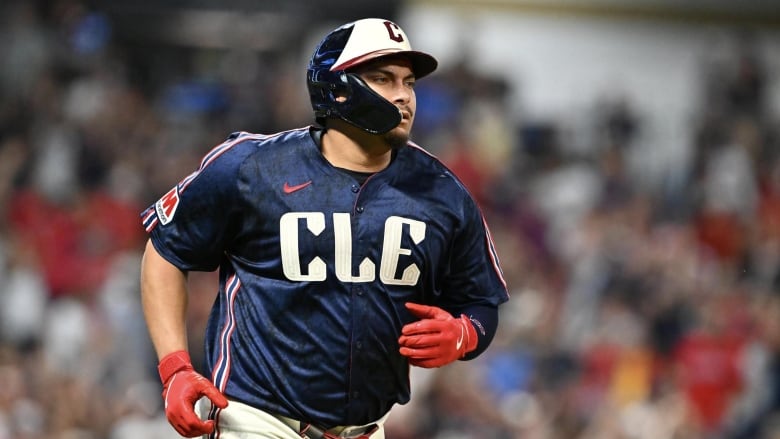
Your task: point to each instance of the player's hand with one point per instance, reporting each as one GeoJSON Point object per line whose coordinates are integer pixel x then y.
{"type": "Point", "coordinates": [182, 387]}
{"type": "Point", "coordinates": [438, 338]}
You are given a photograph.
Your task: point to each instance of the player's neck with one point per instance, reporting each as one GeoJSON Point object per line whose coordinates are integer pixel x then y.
{"type": "Point", "coordinates": [356, 151]}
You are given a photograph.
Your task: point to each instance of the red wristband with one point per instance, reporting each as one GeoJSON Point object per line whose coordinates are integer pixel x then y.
{"type": "Point", "coordinates": [172, 363]}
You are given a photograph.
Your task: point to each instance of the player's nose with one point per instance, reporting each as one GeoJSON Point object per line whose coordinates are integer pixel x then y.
{"type": "Point", "coordinates": [402, 93]}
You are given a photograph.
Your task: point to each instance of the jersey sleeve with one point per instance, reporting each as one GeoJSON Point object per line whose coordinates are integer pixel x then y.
{"type": "Point", "coordinates": [474, 276]}
{"type": "Point", "coordinates": [192, 224]}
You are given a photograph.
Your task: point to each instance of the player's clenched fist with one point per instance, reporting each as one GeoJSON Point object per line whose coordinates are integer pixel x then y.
{"type": "Point", "coordinates": [437, 338]}
{"type": "Point", "coordinates": [182, 387]}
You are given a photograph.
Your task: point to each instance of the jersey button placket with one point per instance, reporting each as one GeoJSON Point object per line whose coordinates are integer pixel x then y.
{"type": "Point", "coordinates": [356, 190]}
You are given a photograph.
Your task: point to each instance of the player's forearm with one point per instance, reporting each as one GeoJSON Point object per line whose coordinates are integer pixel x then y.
{"type": "Point", "coordinates": [164, 299]}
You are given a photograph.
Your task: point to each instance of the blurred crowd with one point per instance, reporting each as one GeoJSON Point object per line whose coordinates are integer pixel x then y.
{"type": "Point", "coordinates": [641, 307]}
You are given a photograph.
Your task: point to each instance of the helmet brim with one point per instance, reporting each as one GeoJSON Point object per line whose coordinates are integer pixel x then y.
{"type": "Point", "coordinates": [423, 64]}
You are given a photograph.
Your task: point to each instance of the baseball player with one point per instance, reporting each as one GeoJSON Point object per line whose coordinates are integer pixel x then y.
{"type": "Point", "coordinates": [346, 254]}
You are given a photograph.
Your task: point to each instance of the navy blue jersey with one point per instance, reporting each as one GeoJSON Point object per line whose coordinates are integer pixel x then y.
{"type": "Point", "coordinates": [315, 269]}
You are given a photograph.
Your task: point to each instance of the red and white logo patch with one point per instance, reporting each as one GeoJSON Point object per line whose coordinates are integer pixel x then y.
{"type": "Point", "coordinates": [166, 206]}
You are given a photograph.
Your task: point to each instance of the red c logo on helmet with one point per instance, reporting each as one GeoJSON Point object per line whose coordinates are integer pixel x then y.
{"type": "Point", "coordinates": [391, 29]}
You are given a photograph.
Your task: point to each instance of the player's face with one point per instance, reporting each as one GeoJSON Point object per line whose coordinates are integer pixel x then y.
{"type": "Point", "coordinates": [394, 80]}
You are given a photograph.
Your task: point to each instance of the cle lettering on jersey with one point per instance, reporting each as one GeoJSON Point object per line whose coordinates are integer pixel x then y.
{"type": "Point", "coordinates": [317, 271]}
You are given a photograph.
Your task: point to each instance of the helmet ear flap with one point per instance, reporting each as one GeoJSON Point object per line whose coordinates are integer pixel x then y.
{"type": "Point", "coordinates": [324, 89]}
{"type": "Point", "coordinates": [366, 109]}
{"type": "Point", "coordinates": [347, 97]}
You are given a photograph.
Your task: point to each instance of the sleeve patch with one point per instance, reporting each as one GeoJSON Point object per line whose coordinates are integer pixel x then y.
{"type": "Point", "coordinates": [166, 206]}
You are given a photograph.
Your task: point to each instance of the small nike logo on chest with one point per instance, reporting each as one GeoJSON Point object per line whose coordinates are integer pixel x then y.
{"type": "Point", "coordinates": [290, 189]}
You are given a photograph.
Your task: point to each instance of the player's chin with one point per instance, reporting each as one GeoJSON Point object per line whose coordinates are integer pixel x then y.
{"type": "Point", "coordinates": [397, 137]}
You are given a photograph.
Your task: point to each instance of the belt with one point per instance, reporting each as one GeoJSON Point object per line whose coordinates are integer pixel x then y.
{"type": "Point", "coordinates": [311, 431]}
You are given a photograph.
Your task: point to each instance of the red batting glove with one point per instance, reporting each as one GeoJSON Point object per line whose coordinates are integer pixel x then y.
{"type": "Point", "coordinates": [182, 387]}
{"type": "Point", "coordinates": [438, 338]}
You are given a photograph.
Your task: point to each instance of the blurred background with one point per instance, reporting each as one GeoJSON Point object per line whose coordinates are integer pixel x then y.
{"type": "Point", "coordinates": [626, 155]}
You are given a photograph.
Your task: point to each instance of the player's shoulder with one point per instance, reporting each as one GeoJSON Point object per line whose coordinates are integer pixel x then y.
{"type": "Point", "coordinates": [240, 146]}
{"type": "Point", "coordinates": [428, 166]}
{"type": "Point", "coordinates": [257, 140]}
{"type": "Point", "coordinates": [421, 157]}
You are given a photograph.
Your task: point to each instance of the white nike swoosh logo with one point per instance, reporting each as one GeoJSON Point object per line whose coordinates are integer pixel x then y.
{"type": "Point", "coordinates": [459, 343]}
